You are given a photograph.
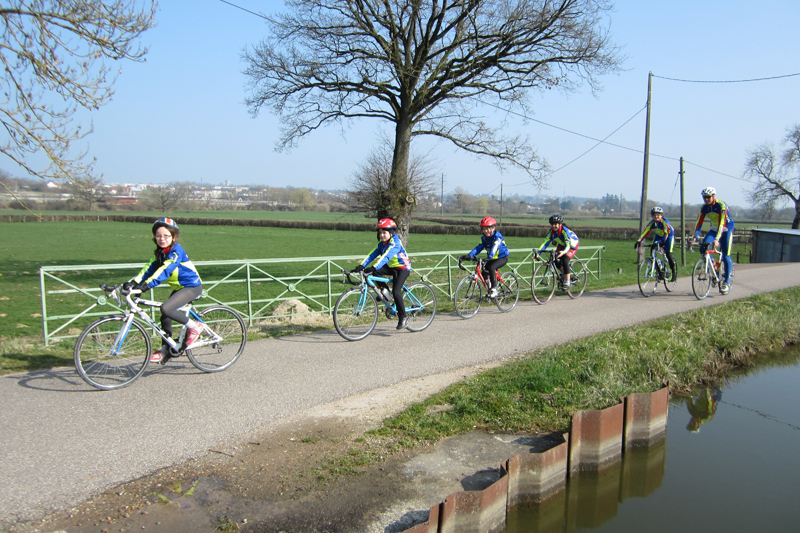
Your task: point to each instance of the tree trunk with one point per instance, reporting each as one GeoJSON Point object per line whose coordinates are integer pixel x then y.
{"type": "Point", "coordinates": [796, 221]}
{"type": "Point", "coordinates": [398, 204]}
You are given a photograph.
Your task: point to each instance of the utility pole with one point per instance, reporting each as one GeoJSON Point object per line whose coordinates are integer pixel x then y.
{"type": "Point", "coordinates": [441, 198]}
{"type": "Point", "coordinates": [501, 204]}
{"type": "Point", "coordinates": [683, 220]}
{"type": "Point", "coordinates": [643, 208]}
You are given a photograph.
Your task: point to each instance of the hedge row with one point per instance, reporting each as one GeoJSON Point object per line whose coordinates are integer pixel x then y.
{"type": "Point", "coordinates": [450, 227]}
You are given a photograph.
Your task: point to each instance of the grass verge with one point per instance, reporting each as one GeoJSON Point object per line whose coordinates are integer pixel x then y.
{"type": "Point", "coordinates": [539, 391]}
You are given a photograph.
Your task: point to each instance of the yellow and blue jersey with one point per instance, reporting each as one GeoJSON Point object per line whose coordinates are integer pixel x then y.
{"type": "Point", "coordinates": [389, 253]}
{"type": "Point", "coordinates": [494, 245]}
{"type": "Point", "coordinates": [171, 265]}
{"type": "Point", "coordinates": [662, 230]}
{"type": "Point", "coordinates": [719, 216]}
{"type": "Point", "coordinates": [563, 239]}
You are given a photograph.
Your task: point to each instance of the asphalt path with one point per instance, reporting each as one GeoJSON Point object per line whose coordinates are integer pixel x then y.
{"type": "Point", "coordinates": [61, 441]}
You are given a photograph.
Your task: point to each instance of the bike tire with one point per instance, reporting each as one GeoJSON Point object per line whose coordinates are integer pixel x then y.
{"type": "Point", "coordinates": [353, 317]}
{"type": "Point", "coordinates": [507, 292]}
{"type": "Point", "coordinates": [648, 278]}
{"type": "Point", "coordinates": [468, 297]}
{"type": "Point", "coordinates": [99, 366]}
{"type": "Point", "coordinates": [668, 283]}
{"type": "Point", "coordinates": [543, 283]}
{"type": "Point", "coordinates": [579, 276]}
{"type": "Point", "coordinates": [701, 280]}
{"type": "Point", "coordinates": [419, 317]}
{"type": "Point", "coordinates": [228, 324]}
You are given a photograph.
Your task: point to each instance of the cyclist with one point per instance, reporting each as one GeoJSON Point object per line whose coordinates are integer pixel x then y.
{"type": "Point", "coordinates": [721, 232]}
{"type": "Point", "coordinates": [390, 260]}
{"type": "Point", "coordinates": [496, 251]}
{"type": "Point", "coordinates": [171, 264]}
{"type": "Point", "coordinates": [664, 236]}
{"type": "Point", "coordinates": [566, 245]}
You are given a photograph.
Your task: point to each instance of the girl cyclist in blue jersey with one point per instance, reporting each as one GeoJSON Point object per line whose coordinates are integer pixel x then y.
{"type": "Point", "coordinates": [171, 264]}
{"type": "Point", "coordinates": [496, 251]}
{"type": "Point", "coordinates": [566, 242]}
{"type": "Point", "coordinates": [389, 260]}
{"type": "Point", "coordinates": [664, 236]}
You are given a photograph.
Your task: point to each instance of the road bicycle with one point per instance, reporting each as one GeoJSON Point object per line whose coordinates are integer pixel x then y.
{"type": "Point", "coordinates": [654, 270]}
{"type": "Point", "coordinates": [469, 292]}
{"type": "Point", "coordinates": [356, 311]}
{"type": "Point", "coordinates": [706, 273]}
{"type": "Point", "coordinates": [547, 276]}
{"type": "Point", "coordinates": [113, 351]}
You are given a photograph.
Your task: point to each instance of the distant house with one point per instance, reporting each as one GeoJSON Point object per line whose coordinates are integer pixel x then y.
{"type": "Point", "coordinates": [53, 185]}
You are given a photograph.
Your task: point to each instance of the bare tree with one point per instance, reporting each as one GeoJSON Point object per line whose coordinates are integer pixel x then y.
{"type": "Point", "coordinates": [371, 186]}
{"type": "Point", "coordinates": [90, 190]}
{"type": "Point", "coordinates": [426, 67]}
{"type": "Point", "coordinates": [53, 55]}
{"type": "Point", "coordinates": [776, 177]}
{"type": "Point", "coordinates": [165, 198]}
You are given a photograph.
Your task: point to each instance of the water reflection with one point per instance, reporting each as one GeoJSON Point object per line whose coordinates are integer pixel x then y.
{"type": "Point", "coordinates": [739, 474]}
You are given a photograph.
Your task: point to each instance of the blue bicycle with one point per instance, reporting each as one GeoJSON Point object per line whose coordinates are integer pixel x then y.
{"type": "Point", "coordinates": [356, 311]}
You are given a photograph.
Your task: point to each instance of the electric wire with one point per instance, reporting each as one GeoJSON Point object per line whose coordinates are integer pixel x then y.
{"type": "Point", "coordinates": [728, 81]}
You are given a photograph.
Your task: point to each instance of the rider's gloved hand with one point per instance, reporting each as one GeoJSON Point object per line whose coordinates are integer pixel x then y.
{"type": "Point", "coordinates": [465, 258]}
{"type": "Point", "coordinates": [359, 268]}
{"type": "Point", "coordinates": [369, 270]}
{"type": "Point", "coordinates": [141, 287]}
{"type": "Point", "coordinates": [636, 246]}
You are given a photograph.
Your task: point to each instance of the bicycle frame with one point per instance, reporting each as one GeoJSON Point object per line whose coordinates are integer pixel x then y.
{"type": "Point", "coordinates": [478, 274]}
{"type": "Point", "coordinates": [368, 281]}
{"type": "Point", "coordinates": [134, 311]}
{"type": "Point", "coordinates": [551, 262]}
{"type": "Point", "coordinates": [710, 265]}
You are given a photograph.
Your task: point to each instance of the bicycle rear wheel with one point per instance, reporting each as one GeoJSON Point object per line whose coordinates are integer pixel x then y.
{"type": "Point", "coordinates": [543, 283]}
{"type": "Point", "coordinates": [104, 364]}
{"type": "Point", "coordinates": [468, 297]}
{"type": "Point", "coordinates": [227, 324]}
{"type": "Point", "coordinates": [701, 280]}
{"type": "Point", "coordinates": [648, 277]}
{"type": "Point", "coordinates": [355, 314]}
{"type": "Point", "coordinates": [420, 302]}
{"type": "Point", "coordinates": [578, 278]}
{"type": "Point", "coordinates": [507, 292]}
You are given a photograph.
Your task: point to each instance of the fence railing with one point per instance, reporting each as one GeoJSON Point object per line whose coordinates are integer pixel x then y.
{"type": "Point", "coordinates": [264, 291]}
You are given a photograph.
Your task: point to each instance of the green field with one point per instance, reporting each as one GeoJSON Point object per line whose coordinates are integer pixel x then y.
{"type": "Point", "coordinates": [25, 247]}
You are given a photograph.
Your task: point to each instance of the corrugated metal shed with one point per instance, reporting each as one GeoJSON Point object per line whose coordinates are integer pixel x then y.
{"type": "Point", "coordinates": [772, 245]}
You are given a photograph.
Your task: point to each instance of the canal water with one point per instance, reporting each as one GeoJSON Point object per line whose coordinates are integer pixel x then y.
{"type": "Point", "coordinates": [730, 462]}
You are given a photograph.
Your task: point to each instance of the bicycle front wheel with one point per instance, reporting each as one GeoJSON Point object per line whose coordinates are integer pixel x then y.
{"type": "Point", "coordinates": [106, 357]}
{"type": "Point", "coordinates": [668, 275]}
{"type": "Point", "coordinates": [468, 297]}
{"type": "Point", "coordinates": [579, 275]}
{"type": "Point", "coordinates": [507, 292]}
{"type": "Point", "coordinates": [701, 280]}
{"type": "Point", "coordinates": [420, 302]}
{"type": "Point", "coordinates": [648, 277]}
{"type": "Point", "coordinates": [543, 283]}
{"type": "Point", "coordinates": [222, 340]}
{"type": "Point", "coordinates": [355, 314]}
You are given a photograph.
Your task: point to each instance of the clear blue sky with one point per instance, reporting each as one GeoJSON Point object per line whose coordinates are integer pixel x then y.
{"type": "Point", "coordinates": [180, 115]}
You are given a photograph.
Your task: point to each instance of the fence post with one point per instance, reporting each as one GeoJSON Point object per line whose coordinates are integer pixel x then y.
{"type": "Point", "coordinates": [249, 298]}
{"type": "Point", "coordinates": [44, 308]}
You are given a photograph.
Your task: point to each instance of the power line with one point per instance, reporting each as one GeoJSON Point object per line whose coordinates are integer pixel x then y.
{"type": "Point", "coordinates": [244, 9]}
{"type": "Point", "coordinates": [728, 81]}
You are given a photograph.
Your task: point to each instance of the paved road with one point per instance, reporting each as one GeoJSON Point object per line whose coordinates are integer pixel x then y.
{"type": "Point", "coordinates": [61, 441]}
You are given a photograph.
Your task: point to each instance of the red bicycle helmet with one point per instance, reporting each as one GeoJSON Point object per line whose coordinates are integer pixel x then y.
{"type": "Point", "coordinates": [488, 221]}
{"type": "Point", "coordinates": [386, 223]}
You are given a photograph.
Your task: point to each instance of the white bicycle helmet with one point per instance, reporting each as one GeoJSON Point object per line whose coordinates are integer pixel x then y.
{"type": "Point", "coordinates": [709, 191]}
{"type": "Point", "coordinates": [656, 210]}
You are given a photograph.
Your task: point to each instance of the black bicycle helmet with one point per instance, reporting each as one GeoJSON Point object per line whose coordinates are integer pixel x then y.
{"type": "Point", "coordinates": [556, 219]}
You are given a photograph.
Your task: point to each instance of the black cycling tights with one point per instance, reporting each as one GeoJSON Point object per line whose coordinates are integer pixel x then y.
{"type": "Point", "coordinates": [492, 267]}
{"type": "Point", "coordinates": [398, 278]}
{"type": "Point", "coordinates": [179, 298]}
